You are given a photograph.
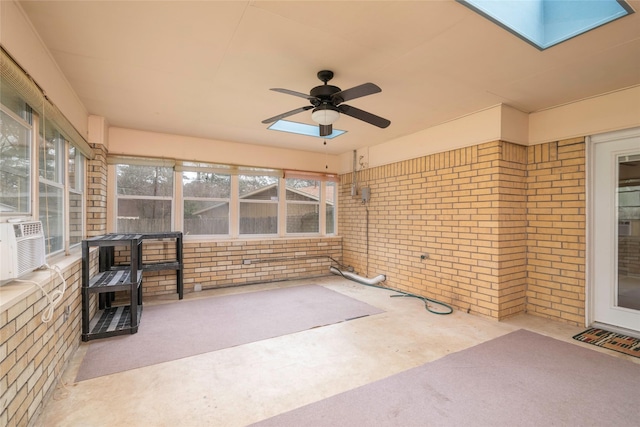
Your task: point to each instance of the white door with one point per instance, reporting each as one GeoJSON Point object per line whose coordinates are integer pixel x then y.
{"type": "Point", "coordinates": [615, 229]}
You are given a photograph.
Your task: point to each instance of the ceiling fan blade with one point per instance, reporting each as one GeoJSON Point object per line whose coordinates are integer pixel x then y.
{"type": "Point", "coordinates": [287, 114]}
{"type": "Point", "coordinates": [364, 116]}
{"type": "Point", "coordinates": [355, 92]}
{"type": "Point", "coordinates": [293, 92]}
{"type": "Point", "coordinates": [326, 130]}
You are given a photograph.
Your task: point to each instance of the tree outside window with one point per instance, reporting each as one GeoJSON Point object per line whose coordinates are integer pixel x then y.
{"type": "Point", "coordinates": [144, 198]}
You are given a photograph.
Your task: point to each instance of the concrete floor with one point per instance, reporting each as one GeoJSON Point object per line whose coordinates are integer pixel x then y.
{"type": "Point", "coordinates": [244, 384]}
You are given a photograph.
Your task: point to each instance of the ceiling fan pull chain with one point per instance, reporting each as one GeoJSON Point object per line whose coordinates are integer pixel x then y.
{"type": "Point", "coordinates": [326, 163]}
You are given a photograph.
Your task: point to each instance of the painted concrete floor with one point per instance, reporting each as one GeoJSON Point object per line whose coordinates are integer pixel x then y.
{"type": "Point", "coordinates": [248, 383]}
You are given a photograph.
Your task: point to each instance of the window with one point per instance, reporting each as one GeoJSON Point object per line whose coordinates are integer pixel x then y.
{"type": "Point", "coordinates": [303, 129]}
{"type": "Point", "coordinates": [51, 186]}
{"type": "Point", "coordinates": [144, 198]}
{"type": "Point", "coordinates": [629, 191]}
{"type": "Point", "coordinates": [42, 160]}
{"type": "Point", "coordinates": [15, 163]}
{"type": "Point", "coordinates": [75, 179]}
{"type": "Point", "coordinates": [206, 198]}
{"type": "Point", "coordinates": [258, 204]}
{"type": "Point", "coordinates": [545, 23]}
{"type": "Point", "coordinates": [220, 200]}
{"type": "Point", "coordinates": [330, 206]}
{"type": "Point", "coordinates": [303, 206]}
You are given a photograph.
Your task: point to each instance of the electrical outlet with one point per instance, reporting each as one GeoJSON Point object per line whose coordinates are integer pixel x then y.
{"type": "Point", "coordinates": [246, 261]}
{"type": "Point", "coordinates": [67, 312]}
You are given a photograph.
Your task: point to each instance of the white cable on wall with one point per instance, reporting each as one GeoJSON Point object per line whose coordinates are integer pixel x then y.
{"type": "Point", "coordinates": [54, 297]}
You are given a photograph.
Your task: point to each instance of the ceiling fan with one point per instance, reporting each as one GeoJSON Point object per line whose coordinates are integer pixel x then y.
{"type": "Point", "coordinates": [327, 103]}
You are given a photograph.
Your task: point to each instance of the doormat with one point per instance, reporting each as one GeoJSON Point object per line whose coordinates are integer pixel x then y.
{"type": "Point", "coordinates": [611, 340]}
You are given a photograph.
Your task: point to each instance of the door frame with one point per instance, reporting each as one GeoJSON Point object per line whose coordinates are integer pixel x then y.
{"type": "Point", "coordinates": [591, 142]}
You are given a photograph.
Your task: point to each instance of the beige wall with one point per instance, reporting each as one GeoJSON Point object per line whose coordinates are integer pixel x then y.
{"type": "Point", "coordinates": [599, 114]}
{"type": "Point", "coordinates": [141, 143]}
{"type": "Point", "coordinates": [25, 46]}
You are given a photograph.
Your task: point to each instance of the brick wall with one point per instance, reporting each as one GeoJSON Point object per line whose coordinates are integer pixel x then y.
{"type": "Point", "coordinates": [97, 192]}
{"type": "Point", "coordinates": [464, 208]}
{"type": "Point", "coordinates": [503, 226]}
{"type": "Point", "coordinates": [34, 353]}
{"type": "Point", "coordinates": [556, 230]}
{"type": "Point", "coordinates": [217, 264]}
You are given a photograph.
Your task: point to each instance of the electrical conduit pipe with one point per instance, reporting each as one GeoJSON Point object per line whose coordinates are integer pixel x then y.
{"type": "Point", "coordinates": [352, 276]}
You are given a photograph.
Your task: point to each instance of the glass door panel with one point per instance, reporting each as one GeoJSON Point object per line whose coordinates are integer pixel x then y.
{"type": "Point", "coordinates": [628, 189]}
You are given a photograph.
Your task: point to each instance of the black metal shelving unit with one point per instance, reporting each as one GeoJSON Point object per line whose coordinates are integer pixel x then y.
{"type": "Point", "coordinates": [112, 277]}
{"type": "Point", "coordinates": [175, 264]}
{"type": "Point", "coordinates": [107, 259]}
{"type": "Point", "coordinates": [118, 320]}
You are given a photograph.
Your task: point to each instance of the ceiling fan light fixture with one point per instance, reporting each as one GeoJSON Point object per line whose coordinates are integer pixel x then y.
{"type": "Point", "coordinates": [325, 115]}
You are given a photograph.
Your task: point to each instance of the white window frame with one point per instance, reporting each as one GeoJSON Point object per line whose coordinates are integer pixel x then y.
{"type": "Point", "coordinates": [59, 184]}
{"type": "Point", "coordinates": [323, 209]}
{"type": "Point", "coordinates": [277, 202]}
{"type": "Point", "coordinates": [205, 199]}
{"type": "Point", "coordinates": [178, 199]}
{"type": "Point", "coordinates": [117, 197]}
{"type": "Point", "coordinates": [32, 160]}
{"type": "Point", "coordinates": [79, 189]}
{"type": "Point", "coordinates": [316, 203]}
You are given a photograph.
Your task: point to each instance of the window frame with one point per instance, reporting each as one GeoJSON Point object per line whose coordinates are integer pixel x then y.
{"type": "Point", "coordinates": [171, 198]}
{"type": "Point", "coordinates": [57, 182]}
{"type": "Point", "coordinates": [235, 200]}
{"type": "Point", "coordinates": [323, 207]}
{"type": "Point", "coordinates": [316, 203]}
{"type": "Point", "coordinates": [31, 131]}
{"type": "Point", "coordinates": [22, 98]}
{"type": "Point", "coordinates": [277, 203]}
{"type": "Point", "coordinates": [205, 199]}
{"type": "Point", "coordinates": [78, 188]}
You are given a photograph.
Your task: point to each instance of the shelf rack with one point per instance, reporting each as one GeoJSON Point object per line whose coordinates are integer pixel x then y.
{"type": "Point", "coordinates": [175, 264]}
{"type": "Point", "coordinates": [107, 259]}
{"type": "Point", "coordinates": [110, 321]}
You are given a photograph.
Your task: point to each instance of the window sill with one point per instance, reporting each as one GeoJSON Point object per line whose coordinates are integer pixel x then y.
{"type": "Point", "coordinates": [254, 237]}
{"type": "Point", "coordinates": [13, 292]}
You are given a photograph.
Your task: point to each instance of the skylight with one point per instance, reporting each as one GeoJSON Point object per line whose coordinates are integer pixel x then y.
{"type": "Point", "coordinates": [545, 23]}
{"type": "Point", "coordinates": [303, 129]}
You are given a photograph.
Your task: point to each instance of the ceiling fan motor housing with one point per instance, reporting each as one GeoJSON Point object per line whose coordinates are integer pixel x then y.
{"type": "Point", "coordinates": [323, 94]}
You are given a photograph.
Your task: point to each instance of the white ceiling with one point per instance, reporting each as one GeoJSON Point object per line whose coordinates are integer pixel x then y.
{"type": "Point", "coordinates": [204, 68]}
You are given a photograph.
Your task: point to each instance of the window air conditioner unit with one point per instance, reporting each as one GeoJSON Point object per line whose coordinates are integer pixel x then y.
{"type": "Point", "coordinates": [22, 248]}
{"type": "Point", "coordinates": [624, 228]}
